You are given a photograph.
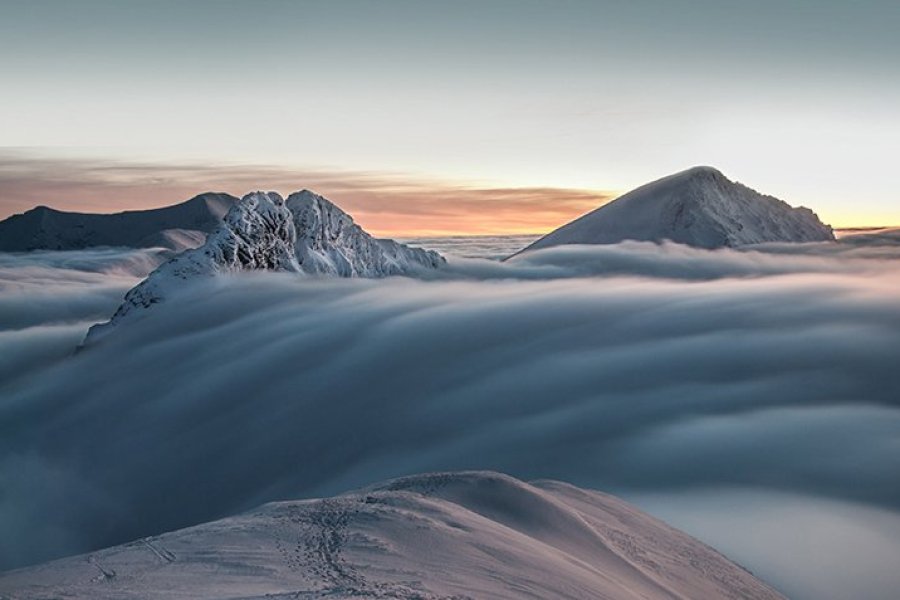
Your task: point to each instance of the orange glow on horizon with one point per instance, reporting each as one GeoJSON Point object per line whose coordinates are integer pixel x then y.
{"type": "Point", "coordinates": [384, 204]}
{"type": "Point", "coordinates": [398, 225]}
{"type": "Point", "coordinates": [438, 210]}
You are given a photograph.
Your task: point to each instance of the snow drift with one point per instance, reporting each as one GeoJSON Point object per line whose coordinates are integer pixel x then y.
{"type": "Point", "coordinates": [441, 535]}
{"type": "Point", "coordinates": [698, 207]}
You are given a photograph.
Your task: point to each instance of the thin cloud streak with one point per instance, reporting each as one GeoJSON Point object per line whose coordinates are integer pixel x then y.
{"type": "Point", "coordinates": [387, 204]}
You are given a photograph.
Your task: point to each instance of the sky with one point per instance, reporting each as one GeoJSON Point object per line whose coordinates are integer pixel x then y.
{"type": "Point", "coordinates": [427, 117]}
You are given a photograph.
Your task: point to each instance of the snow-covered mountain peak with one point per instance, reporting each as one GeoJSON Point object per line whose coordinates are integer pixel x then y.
{"type": "Point", "coordinates": [306, 196]}
{"type": "Point", "coordinates": [215, 202]}
{"type": "Point", "coordinates": [699, 172]}
{"type": "Point", "coordinates": [305, 234]}
{"type": "Point", "coordinates": [177, 227]}
{"type": "Point", "coordinates": [695, 178]}
{"type": "Point", "coordinates": [319, 219]}
{"type": "Point", "coordinates": [257, 233]}
{"type": "Point", "coordinates": [698, 207]}
{"type": "Point", "coordinates": [330, 242]}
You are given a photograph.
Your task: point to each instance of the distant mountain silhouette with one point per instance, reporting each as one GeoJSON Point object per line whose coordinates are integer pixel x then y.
{"type": "Point", "coordinates": [177, 227]}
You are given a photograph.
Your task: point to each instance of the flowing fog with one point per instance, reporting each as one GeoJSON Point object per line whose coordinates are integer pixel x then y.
{"type": "Point", "coordinates": [495, 247]}
{"type": "Point", "coordinates": [751, 398]}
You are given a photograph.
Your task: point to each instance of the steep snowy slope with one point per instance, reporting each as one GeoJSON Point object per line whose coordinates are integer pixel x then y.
{"type": "Point", "coordinates": [257, 233]}
{"type": "Point", "coordinates": [305, 234]}
{"type": "Point", "coordinates": [176, 227]}
{"type": "Point", "coordinates": [447, 535]}
{"type": "Point", "coordinates": [330, 243]}
{"type": "Point", "coordinates": [698, 207]}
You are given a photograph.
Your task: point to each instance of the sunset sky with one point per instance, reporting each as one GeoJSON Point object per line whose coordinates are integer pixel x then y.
{"type": "Point", "coordinates": [448, 117]}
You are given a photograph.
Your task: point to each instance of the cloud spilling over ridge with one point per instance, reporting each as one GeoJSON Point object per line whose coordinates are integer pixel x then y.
{"type": "Point", "coordinates": [676, 261]}
{"type": "Point", "coordinates": [636, 369]}
{"type": "Point", "coordinates": [495, 247]}
{"type": "Point", "coordinates": [62, 287]}
{"type": "Point", "coordinates": [47, 299]}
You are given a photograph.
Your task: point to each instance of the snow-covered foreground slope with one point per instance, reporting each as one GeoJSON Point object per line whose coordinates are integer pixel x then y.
{"type": "Point", "coordinates": [175, 227]}
{"type": "Point", "coordinates": [306, 234]}
{"type": "Point", "coordinates": [445, 535]}
{"type": "Point", "coordinates": [698, 207]}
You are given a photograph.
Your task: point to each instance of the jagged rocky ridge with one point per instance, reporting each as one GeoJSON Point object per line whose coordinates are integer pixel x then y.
{"type": "Point", "coordinates": [435, 536]}
{"type": "Point", "coordinates": [330, 243]}
{"type": "Point", "coordinates": [698, 207]}
{"type": "Point", "coordinates": [305, 234]}
{"type": "Point", "coordinates": [177, 227]}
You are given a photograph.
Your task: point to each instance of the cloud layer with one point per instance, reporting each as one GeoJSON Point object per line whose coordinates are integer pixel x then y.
{"type": "Point", "coordinates": [47, 299]}
{"type": "Point", "coordinates": [638, 369]}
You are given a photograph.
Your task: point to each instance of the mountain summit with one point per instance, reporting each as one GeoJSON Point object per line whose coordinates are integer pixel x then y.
{"type": "Point", "coordinates": [330, 243]}
{"type": "Point", "coordinates": [698, 207]}
{"type": "Point", "coordinates": [305, 234]}
{"type": "Point", "coordinates": [176, 227]}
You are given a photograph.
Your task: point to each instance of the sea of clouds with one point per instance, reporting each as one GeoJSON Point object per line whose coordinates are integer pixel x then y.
{"type": "Point", "coordinates": [749, 397]}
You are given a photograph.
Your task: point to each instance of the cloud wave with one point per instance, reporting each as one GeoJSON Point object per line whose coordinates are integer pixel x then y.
{"type": "Point", "coordinates": [637, 369]}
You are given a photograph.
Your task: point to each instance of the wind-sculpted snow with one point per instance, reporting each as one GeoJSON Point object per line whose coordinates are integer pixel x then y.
{"type": "Point", "coordinates": [441, 535]}
{"type": "Point", "coordinates": [698, 207]}
{"type": "Point", "coordinates": [675, 371]}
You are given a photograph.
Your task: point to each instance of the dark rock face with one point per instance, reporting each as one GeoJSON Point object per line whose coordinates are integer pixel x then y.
{"type": "Point", "coordinates": [175, 227]}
